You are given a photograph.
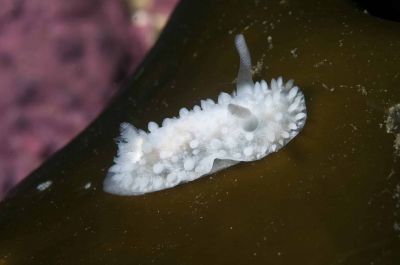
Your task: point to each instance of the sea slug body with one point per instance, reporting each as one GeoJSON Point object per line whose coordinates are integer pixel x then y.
{"type": "Point", "coordinates": [254, 121]}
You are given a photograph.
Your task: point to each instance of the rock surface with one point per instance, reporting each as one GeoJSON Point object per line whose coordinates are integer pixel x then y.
{"type": "Point", "coordinates": [60, 63]}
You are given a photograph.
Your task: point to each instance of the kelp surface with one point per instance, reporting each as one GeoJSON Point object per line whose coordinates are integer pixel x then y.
{"type": "Point", "coordinates": [331, 196]}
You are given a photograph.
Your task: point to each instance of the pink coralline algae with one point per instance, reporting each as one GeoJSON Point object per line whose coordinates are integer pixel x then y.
{"type": "Point", "coordinates": [60, 62]}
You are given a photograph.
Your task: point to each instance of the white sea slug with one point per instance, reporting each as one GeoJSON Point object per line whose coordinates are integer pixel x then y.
{"type": "Point", "coordinates": [247, 125]}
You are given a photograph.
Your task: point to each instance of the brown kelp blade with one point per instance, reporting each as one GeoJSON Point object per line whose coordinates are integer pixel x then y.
{"type": "Point", "coordinates": [329, 197]}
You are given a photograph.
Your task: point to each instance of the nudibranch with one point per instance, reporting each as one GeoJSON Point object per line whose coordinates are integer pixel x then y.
{"type": "Point", "coordinates": [255, 120]}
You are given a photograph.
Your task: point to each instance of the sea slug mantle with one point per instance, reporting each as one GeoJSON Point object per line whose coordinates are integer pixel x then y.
{"type": "Point", "coordinates": [252, 122]}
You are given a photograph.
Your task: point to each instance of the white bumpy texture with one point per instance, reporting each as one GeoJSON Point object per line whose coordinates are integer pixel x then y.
{"type": "Point", "coordinates": [253, 122]}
